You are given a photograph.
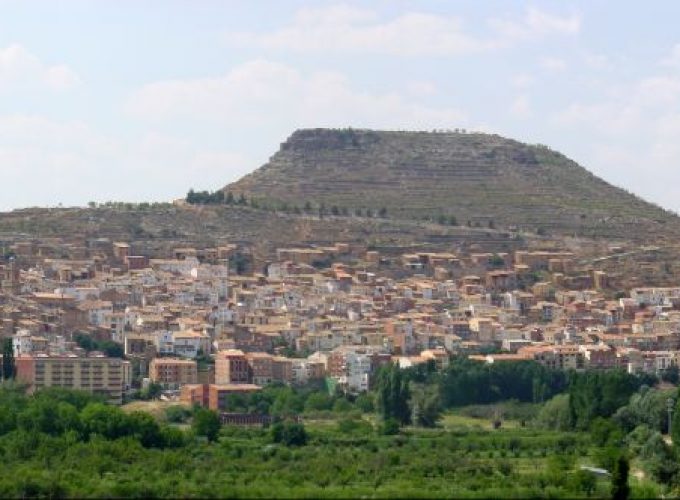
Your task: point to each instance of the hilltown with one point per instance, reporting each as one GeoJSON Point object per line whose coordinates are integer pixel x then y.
{"type": "Point", "coordinates": [100, 317]}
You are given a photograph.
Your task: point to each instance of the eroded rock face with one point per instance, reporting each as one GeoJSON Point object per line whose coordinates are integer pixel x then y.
{"type": "Point", "coordinates": [474, 177]}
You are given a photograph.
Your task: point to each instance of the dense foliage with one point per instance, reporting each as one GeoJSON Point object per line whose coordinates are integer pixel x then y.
{"type": "Point", "coordinates": [64, 443]}
{"type": "Point", "coordinates": [108, 347]}
{"type": "Point", "coordinates": [467, 382]}
{"type": "Point", "coordinates": [60, 443]}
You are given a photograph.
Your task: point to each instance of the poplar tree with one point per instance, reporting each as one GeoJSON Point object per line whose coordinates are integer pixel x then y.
{"type": "Point", "coordinates": [620, 488]}
{"type": "Point", "coordinates": [8, 368]}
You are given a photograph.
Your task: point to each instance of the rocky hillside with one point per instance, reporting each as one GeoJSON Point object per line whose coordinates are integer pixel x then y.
{"type": "Point", "coordinates": [481, 180]}
{"type": "Point", "coordinates": [155, 230]}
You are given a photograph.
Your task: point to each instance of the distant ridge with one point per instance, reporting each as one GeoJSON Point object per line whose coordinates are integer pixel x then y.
{"type": "Point", "coordinates": [479, 179]}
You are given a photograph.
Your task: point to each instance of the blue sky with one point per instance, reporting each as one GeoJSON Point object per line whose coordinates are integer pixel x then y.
{"type": "Point", "coordinates": [141, 100]}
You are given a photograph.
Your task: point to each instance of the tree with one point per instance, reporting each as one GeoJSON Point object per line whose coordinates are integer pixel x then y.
{"type": "Point", "coordinates": [671, 374]}
{"type": "Point", "coordinates": [145, 429]}
{"type": "Point", "coordinates": [382, 213]}
{"type": "Point", "coordinates": [289, 433]}
{"type": "Point", "coordinates": [389, 427]}
{"type": "Point", "coordinates": [318, 401]}
{"type": "Point", "coordinates": [584, 481]}
{"type": "Point", "coordinates": [496, 261]}
{"type": "Point", "coordinates": [206, 423]}
{"type": "Point", "coordinates": [675, 425]}
{"type": "Point", "coordinates": [426, 406]}
{"type": "Point", "coordinates": [393, 395]}
{"type": "Point", "coordinates": [107, 421]}
{"type": "Point", "coordinates": [365, 403]}
{"type": "Point", "coordinates": [229, 200]}
{"type": "Point", "coordinates": [555, 414]}
{"type": "Point", "coordinates": [8, 367]}
{"type": "Point", "coordinates": [152, 391]}
{"type": "Point", "coordinates": [620, 489]}
{"type": "Point", "coordinates": [191, 196]}
{"type": "Point", "coordinates": [177, 414]}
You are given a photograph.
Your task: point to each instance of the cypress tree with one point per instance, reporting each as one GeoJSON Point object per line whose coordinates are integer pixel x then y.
{"type": "Point", "coordinates": [8, 368]}
{"type": "Point", "coordinates": [620, 488]}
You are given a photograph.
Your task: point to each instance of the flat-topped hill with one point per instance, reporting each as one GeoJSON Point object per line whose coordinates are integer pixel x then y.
{"type": "Point", "coordinates": [477, 178]}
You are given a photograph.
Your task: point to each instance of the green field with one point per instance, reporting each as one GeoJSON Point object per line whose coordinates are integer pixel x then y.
{"type": "Point", "coordinates": [463, 458]}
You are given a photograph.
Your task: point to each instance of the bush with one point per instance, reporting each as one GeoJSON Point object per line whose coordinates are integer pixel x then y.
{"type": "Point", "coordinates": [389, 427]}
{"type": "Point", "coordinates": [318, 401]}
{"type": "Point", "coordinates": [342, 406]}
{"type": "Point", "coordinates": [289, 433]}
{"type": "Point", "coordinates": [206, 423]}
{"type": "Point", "coordinates": [365, 403]}
{"type": "Point", "coordinates": [177, 414]}
{"type": "Point", "coordinates": [555, 414]}
{"type": "Point", "coordinates": [354, 426]}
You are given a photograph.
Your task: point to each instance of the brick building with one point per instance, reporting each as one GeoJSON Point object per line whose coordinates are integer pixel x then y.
{"type": "Point", "coordinates": [173, 373]}
{"type": "Point", "coordinates": [98, 374]}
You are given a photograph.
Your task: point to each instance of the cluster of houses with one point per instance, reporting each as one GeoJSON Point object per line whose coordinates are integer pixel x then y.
{"type": "Point", "coordinates": [333, 313]}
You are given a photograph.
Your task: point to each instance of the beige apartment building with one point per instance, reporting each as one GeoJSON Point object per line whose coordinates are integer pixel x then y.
{"type": "Point", "coordinates": [231, 367]}
{"type": "Point", "coordinates": [173, 373]}
{"type": "Point", "coordinates": [98, 374]}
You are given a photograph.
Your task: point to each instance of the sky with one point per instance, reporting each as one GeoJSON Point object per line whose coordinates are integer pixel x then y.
{"type": "Point", "coordinates": [142, 100]}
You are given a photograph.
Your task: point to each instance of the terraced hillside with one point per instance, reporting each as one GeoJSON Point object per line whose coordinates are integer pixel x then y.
{"type": "Point", "coordinates": [154, 230]}
{"type": "Point", "coordinates": [480, 178]}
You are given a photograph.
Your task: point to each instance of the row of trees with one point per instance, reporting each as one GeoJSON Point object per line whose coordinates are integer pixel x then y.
{"type": "Point", "coordinates": [574, 400]}
{"type": "Point", "coordinates": [219, 197]}
{"type": "Point", "coordinates": [108, 347]}
{"type": "Point", "coordinates": [58, 412]}
{"type": "Point", "coordinates": [215, 198]}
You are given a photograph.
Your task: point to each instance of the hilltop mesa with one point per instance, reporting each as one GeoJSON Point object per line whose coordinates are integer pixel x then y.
{"type": "Point", "coordinates": [477, 179]}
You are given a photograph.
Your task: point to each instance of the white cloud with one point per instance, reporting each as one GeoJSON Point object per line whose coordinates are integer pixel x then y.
{"type": "Point", "coordinates": [61, 77]}
{"type": "Point", "coordinates": [20, 67]}
{"type": "Point", "coordinates": [632, 135]}
{"type": "Point", "coordinates": [263, 93]}
{"type": "Point", "coordinates": [522, 80]}
{"type": "Point", "coordinates": [537, 24]}
{"type": "Point", "coordinates": [672, 60]}
{"type": "Point", "coordinates": [421, 88]}
{"type": "Point", "coordinates": [520, 107]}
{"type": "Point", "coordinates": [342, 28]}
{"type": "Point", "coordinates": [553, 64]}
{"type": "Point", "coordinates": [69, 162]}
{"type": "Point", "coordinates": [597, 61]}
